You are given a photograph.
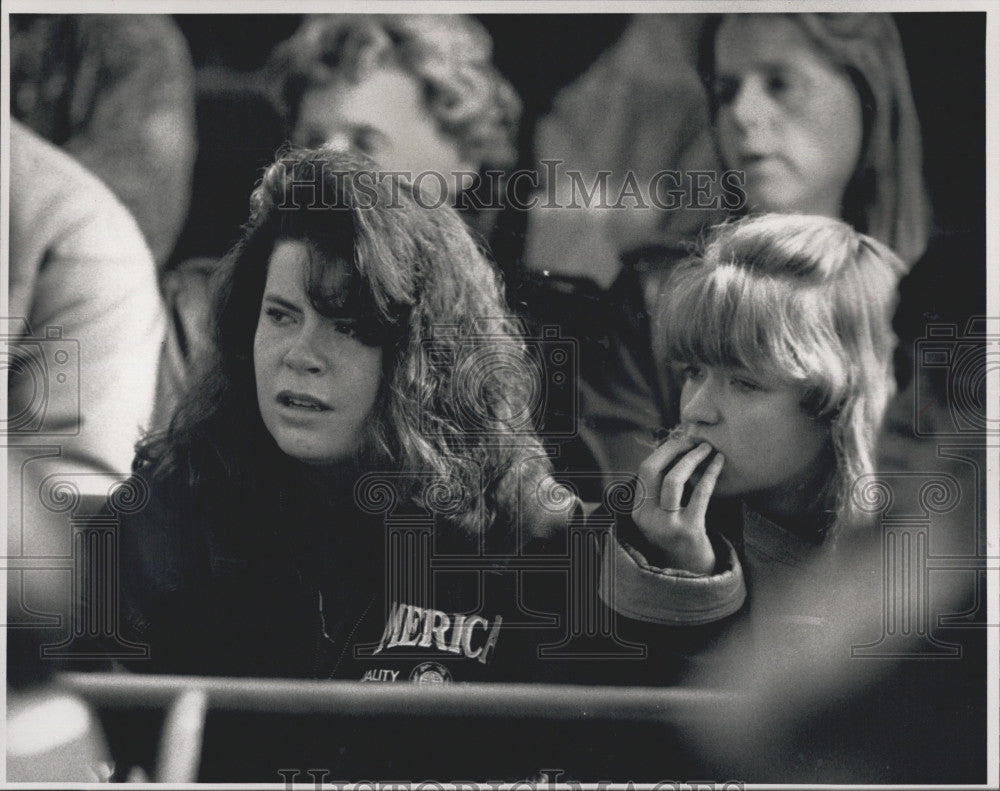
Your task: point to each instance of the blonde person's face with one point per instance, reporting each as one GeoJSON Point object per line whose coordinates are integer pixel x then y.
{"type": "Point", "coordinates": [384, 116]}
{"type": "Point", "coordinates": [770, 445]}
{"type": "Point", "coordinates": [786, 116]}
{"type": "Point", "coordinates": [316, 382]}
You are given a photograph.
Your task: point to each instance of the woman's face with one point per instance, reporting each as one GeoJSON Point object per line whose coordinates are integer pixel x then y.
{"type": "Point", "coordinates": [787, 117]}
{"type": "Point", "coordinates": [770, 445]}
{"type": "Point", "coordinates": [383, 115]}
{"type": "Point", "coordinates": [316, 382]}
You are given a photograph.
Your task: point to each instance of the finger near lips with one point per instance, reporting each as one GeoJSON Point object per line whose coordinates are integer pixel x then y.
{"type": "Point", "coordinates": [669, 451]}
{"type": "Point", "coordinates": [652, 470]}
{"type": "Point", "coordinates": [702, 468]}
{"type": "Point", "coordinates": [703, 489]}
{"type": "Point", "coordinates": [672, 487]}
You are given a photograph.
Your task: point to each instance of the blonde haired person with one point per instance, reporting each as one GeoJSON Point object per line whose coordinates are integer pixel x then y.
{"type": "Point", "coordinates": [782, 329]}
{"type": "Point", "coordinates": [815, 114]}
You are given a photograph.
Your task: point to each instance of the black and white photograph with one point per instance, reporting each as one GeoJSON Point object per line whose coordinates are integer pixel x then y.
{"type": "Point", "coordinates": [517, 396]}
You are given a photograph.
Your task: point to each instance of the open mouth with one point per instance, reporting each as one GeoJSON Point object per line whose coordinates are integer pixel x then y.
{"type": "Point", "coordinates": [301, 401]}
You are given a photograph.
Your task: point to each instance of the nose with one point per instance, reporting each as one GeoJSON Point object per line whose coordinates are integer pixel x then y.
{"type": "Point", "coordinates": [699, 404]}
{"type": "Point", "coordinates": [749, 106]}
{"type": "Point", "coordinates": [304, 353]}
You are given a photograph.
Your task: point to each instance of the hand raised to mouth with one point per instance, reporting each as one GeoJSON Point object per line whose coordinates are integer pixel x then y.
{"type": "Point", "coordinates": [671, 522]}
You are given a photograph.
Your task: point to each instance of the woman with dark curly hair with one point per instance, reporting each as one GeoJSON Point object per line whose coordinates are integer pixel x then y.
{"type": "Point", "coordinates": [367, 405]}
{"type": "Point", "coordinates": [417, 93]}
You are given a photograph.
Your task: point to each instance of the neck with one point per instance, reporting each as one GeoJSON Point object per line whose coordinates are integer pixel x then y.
{"type": "Point", "coordinates": [798, 506]}
{"type": "Point", "coordinates": [330, 481]}
{"type": "Point", "coordinates": [828, 203]}
{"type": "Point", "coordinates": [823, 204]}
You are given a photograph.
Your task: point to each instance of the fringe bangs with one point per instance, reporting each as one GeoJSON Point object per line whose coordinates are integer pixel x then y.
{"type": "Point", "coordinates": [805, 299]}
{"type": "Point", "coordinates": [733, 317]}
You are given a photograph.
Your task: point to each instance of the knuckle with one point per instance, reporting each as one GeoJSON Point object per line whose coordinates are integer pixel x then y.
{"type": "Point", "coordinates": [678, 473]}
{"type": "Point", "coordinates": [672, 487]}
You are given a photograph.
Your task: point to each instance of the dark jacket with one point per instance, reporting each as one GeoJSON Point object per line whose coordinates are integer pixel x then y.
{"type": "Point", "coordinates": [315, 582]}
{"type": "Point", "coordinates": [302, 582]}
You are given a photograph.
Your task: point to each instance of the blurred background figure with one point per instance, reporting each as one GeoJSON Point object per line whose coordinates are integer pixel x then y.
{"type": "Point", "coordinates": [84, 350]}
{"type": "Point", "coordinates": [415, 92]}
{"type": "Point", "coordinates": [817, 110]}
{"type": "Point", "coordinates": [82, 357]}
{"type": "Point", "coordinates": [116, 91]}
{"type": "Point", "coordinates": [637, 111]}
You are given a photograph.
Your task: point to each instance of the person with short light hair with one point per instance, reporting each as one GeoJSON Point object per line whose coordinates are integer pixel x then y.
{"type": "Point", "coordinates": [781, 326]}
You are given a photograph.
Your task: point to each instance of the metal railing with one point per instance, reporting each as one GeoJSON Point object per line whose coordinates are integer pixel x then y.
{"type": "Point", "coordinates": [187, 701]}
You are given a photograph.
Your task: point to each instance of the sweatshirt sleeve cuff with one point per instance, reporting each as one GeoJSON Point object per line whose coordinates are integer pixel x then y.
{"type": "Point", "coordinates": [632, 587]}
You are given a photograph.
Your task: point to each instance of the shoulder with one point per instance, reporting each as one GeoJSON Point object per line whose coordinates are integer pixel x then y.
{"type": "Point", "coordinates": [56, 201]}
{"type": "Point", "coordinates": [41, 171]}
{"type": "Point", "coordinates": [541, 510]}
{"type": "Point", "coordinates": [158, 540]}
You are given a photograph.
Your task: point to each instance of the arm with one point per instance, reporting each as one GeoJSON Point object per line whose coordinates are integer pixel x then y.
{"type": "Point", "coordinates": [664, 566]}
{"type": "Point", "coordinates": [78, 265]}
{"type": "Point", "coordinates": [636, 588]}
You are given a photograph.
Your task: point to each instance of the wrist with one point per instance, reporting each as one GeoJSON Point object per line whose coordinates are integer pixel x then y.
{"type": "Point", "coordinates": [692, 553]}
{"type": "Point", "coordinates": [680, 550]}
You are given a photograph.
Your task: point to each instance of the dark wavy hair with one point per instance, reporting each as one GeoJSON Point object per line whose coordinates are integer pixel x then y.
{"type": "Point", "coordinates": [457, 381]}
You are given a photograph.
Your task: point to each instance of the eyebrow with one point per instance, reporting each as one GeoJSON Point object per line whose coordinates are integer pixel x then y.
{"type": "Point", "coordinates": [348, 128]}
{"type": "Point", "coordinates": [282, 302]}
{"type": "Point", "coordinates": [771, 65]}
